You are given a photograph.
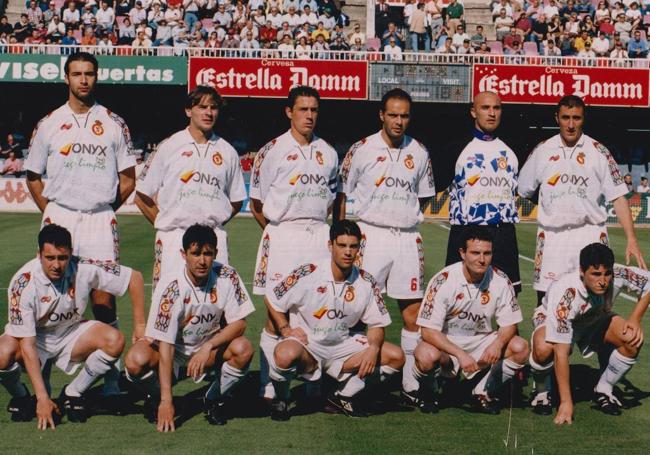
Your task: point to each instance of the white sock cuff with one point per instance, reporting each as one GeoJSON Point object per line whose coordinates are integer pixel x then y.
{"type": "Point", "coordinates": [387, 370]}
{"type": "Point", "coordinates": [352, 386]}
{"type": "Point", "coordinates": [512, 364]}
{"type": "Point", "coordinates": [115, 324]}
{"type": "Point", "coordinates": [103, 357]}
{"type": "Point", "coordinates": [407, 334]}
{"type": "Point", "coordinates": [136, 379]}
{"type": "Point", "coordinates": [281, 375]}
{"type": "Point", "coordinates": [266, 336]}
{"type": "Point", "coordinates": [537, 366]}
{"type": "Point", "coordinates": [626, 360]}
{"type": "Point", "coordinates": [232, 371]}
{"type": "Point", "coordinates": [12, 368]}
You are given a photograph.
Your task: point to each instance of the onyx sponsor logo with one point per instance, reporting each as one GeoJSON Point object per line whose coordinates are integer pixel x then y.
{"type": "Point", "coordinates": [330, 314]}
{"type": "Point", "coordinates": [200, 177]}
{"type": "Point", "coordinates": [86, 149]}
{"type": "Point", "coordinates": [489, 181]}
{"type": "Point", "coordinates": [571, 179]}
{"type": "Point", "coordinates": [468, 315]}
{"type": "Point", "coordinates": [66, 316]}
{"type": "Point", "coordinates": [394, 182]}
{"type": "Point", "coordinates": [202, 319]}
{"type": "Point", "coordinates": [308, 179]}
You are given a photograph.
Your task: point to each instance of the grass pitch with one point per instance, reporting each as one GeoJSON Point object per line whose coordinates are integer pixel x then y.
{"type": "Point", "coordinates": [454, 430]}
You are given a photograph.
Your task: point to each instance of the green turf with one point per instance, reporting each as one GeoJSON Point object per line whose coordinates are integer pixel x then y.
{"type": "Point", "coordinates": [454, 430]}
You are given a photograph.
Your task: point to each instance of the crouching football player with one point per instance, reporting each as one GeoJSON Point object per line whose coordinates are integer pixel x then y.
{"type": "Point", "coordinates": [47, 300]}
{"type": "Point", "coordinates": [325, 301]}
{"type": "Point", "coordinates": [457, 333]}
{"type": "Point", "coordinates": [184, 332]}
{"type": "Point", "coordinates": [578, 309]}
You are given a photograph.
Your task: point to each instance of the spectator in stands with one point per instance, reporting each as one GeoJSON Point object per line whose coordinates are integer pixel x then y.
{"type": "Point", "coordinates": [10, 145]}
{"type": "Point", "coordinates": [173, 15]}
{"type": "Point", "coordinates": [191, 8]}
{"type": "Point", "coordinates": [627, 178]}
{"type": "Point", "coordinates": [258, 17]}
{"type": "Point", "coordinates": [13, 165]}
{"type": "Point", "coordinates": [637, 47]}
{"type": "Point", "coordinates": [5, 26]}
{"type": "Point", "coordinates": [551, 9]}
{"type": "Point", "coordinates": [554, 26]}
{"type": "Point", "coordinates": [580, 42]}
{"type": "Point", "coordinates": [633, 15]}
{"type": "Point", "coordinates": [623, 28]}
{"type": "Point", "coordinates": [87, 16]}
{"type": "Point", "coordinates": [568, 10]}
{"type": "Point", "coordinates": [478, 38]}
{"type": "Point", "coordinates": [22, 29]}
{"type": "Point", "coordinates": [275, 17]}
{"type": "Point", "coordinates": [327, 19]}
{"type": "Point", "coordinates": [524, 27]}
{"type": "Point", "coordinates": [339, 45]}
{"type": "Point", "coordinates": [588, 55]}
{"type": "Point", "coordinates": [249, 27]}
{"type": "Point", "coordinates": [382, 18]}
{"type": "Point", "coordinates": [213, 41]}
{"type": "Point", "coordinates": [69, 40]}
{"type": "Point", "coordinates": [71, 15]}
{"type": "Point", "coordinates": [320, 48]}
{"type": "Point", "coordinates": [534, 10]}
{"type": "Point", "coordinates": [459, 37]}
{"type": "Point", "coordinates": [511, 38]}
{"type": "Point", "coordinates": [502, 24]}
{"type": "Point", "coordinates": [231, 41]}
{"type": "Point", "coordinates": [155, 16]}
{"type": "Point", "coordinates": [572, 26]}
{"type": "Point", "coordinates": [587, 25]}
{"type": "Point", "coordinates": [309, 17]}
{"type": "Point", "coordinates": [88, 38]}
{"type": "Point", "coordinates": [619, 52]}
{"type": "Point", "coordinates": [484, 49]}
{"type": "Point", "coordinates": [303, 49]}
{"type": "Point", "coordinates": [514, 49]}
{"type": "Point", "coordinates": [418, 29]}
{"type": "Point", "coordinates": [49, 13]}
{"type": "Point", "coordinates": [566, 45]}
{"type": "Point", "coordinates": [284, 31]}
{"type": "Point", "coordinates": [249, 42]}
{"type": "Point", "coordinates": [123, 7]}
{"type": "Point", "coordinates": [181, 41]}
{"type": "Point", "coordinates": [105, 17]}
{"type": "Point", "coordinates": [643, 188]}
{"type": "Point", "coordinates": [393, 52]}
{"type": "Point", "coordinates": [286, 47]}
{"type": "Point", "coordinates": [446, 48]}
{"type": "Point", "coordinates": [291, 3]}
{"type": "Point", "coordinates": [434, 12]}
{"type": "Point", "coordinates": [268, 33]}
{"type": "Point", "coordinates": [105, 45]}
{"type": "Point", "coordinates": [337, 33]}
{"type": "Point", "coordinates": [602, 12]}
{"type": "Point", "coordinates": [137, 13]}
{"type": "Point", "coordinates": [34, 14]}
{"type": "Point", "coordinates": [607, 26]}
{"type": "Point", "coordinates": [551, 50]}
{"type": "Point", "coordinates": [466, 48]}
{"type": "Point", "coordinates": [618, 9]}
{"type": "Point", "coordinates": [197, 40]}
{"type": "Point", "coordinates": [540, 31]}
{"type": "Point", "coordinates": [126, 32]}
{"type": "Point", "coordinates": [292, 18]}
{"type": "Point", "coordinates": [358, 46]}
{"type": "Point", "coordinates": [55, 29]}
{"type": "Point", "coordinates": [600, 45]}
{"type": "Point", "coordinates": [501, 5]}
{"type": "Point", "coordinates": [320, 31]}
{"type": "Point", "coordinates": [392, 33]}
{"type": "Point", "coordinates": [455, 12]}
{"type": "Point", "coordinates": [222, 16]}
{"type": "Point", "coordinates": [585, 6]}
{"type": "Point", "coordinates": [356, 33]}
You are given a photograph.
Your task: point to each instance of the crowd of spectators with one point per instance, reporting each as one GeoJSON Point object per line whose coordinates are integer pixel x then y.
{"type": "Point", "coordinates": [294, 28]}
{"type": "Point", "coordinates": [580, 28]}
{"type": "Point", "coordinates": [11, 155]}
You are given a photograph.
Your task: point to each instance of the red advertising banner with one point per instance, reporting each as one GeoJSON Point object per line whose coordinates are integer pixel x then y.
{"type": "Point", "coordinates": [273, 78]}
{"type": "Point", "coordinates": [547, 84]}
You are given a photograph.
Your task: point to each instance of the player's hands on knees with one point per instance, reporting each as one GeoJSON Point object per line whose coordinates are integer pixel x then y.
{"type": "Point", "coordinates": [196, 365]}
{"type": "Point", "coordinates": [297, 333]}
{"type": "Point", "coordinates": [633, 330]}
{"type": "Point", "coordinates": [44, 413]}
{"type": "Point", "coordinates": [564, 414]}
{"type": "Point", "coordinates": [138, 333]}
{"type": "Point", "coordinates": [166, 416]}
{"type": "Point", "coordinates": [467, 363]}
{"type": "Point", "coordinates": [492, 354]}
{"type": "Point", "coordinates": [368, 362]}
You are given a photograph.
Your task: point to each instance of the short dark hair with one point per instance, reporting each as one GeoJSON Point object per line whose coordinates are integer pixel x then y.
{"type": "Point", "coordinates": [55, 235]}
{"type": "Point", "coordinates": [344, 227]}
{"type": "Point", "coordinates": [595, 255]}
{"type": "Point", "coordinates": [200, 235]}
{"type": "Point", "coordinates": [396, 93]}
{"type": "Point", "coordinates": [476, 233]}
{"type": "Point", "coordinates": [80, 57]}
{"type": "Point", "coordinates": [570, 101]}
{"type": "Point", "coordinates": [201, 91]}
{"type": "Point", "coordinates": [301, 90]}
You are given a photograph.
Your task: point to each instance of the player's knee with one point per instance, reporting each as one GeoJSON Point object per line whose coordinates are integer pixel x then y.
{"type": "Point", "coordinates": [242, 349]}
{"type": "Point", "coordinates": [113, 342]}
{"type": "Point", "coordinates": [8, 349]}
{"type": "Point", "coordinates": [519, 347]}
{"type": "Point", "coordinates": [395, 356]}
{"type": "Point", "coordinates": [136, 361]}
{"type": "Point", "coordinates": [426, 357]}
{"type": "Point", "coordinates": [285, 355]}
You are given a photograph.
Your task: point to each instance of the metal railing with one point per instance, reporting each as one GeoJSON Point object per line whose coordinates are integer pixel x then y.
{"type": "Point", "coordinates": [370, 56]}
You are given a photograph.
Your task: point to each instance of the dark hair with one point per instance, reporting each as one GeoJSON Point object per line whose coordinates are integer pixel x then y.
{"type": "Point", "coordinates": [344, 227]}
{"type": "Point", "coordinates": [80, 57]}
{"type": "Point", "coordinates": [396, 93]}
{"type": "Point", "coordinates": [200, 91]}
{"type": "Point", "coordinates": [55, 235]}
{"type": "Point", "coordinates": [476, 233]}
{"type": "Point", "coordinates": [301, 90]}
{"type": "Point", "coordinates": [596, 254]}
{"type": "Point", "coordinates": [200, 235]}
{"type": "Point", "coordinates": [570, 101]}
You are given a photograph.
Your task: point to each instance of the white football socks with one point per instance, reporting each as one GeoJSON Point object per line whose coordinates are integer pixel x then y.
{"type": "Point", "coordinates": [616, 368]}
{"type": "Point", "coordinates": [96, 365]}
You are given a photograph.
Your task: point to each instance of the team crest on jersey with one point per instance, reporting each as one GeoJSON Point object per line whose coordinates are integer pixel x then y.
{"type": "Point", "coordinates": [485, 297]}
{"type": "Point", "coordinates": [231, 274]}
{"type": "Point", "coordinates": [420, 248]}
{"type": "Point", "coordinates": [17, 288]}
{"type": "Point", "coordinates": [563, 310]}
{"type": "Point", "coordinates": [285, 285]}
{"type": "Point", "coordinates": [434, 286]}
{"type": "Point", "coordinates": [349, 294]}
{"type": "Point", "coordinates": [66, 126]}
{"type": "Point", "coordinates": [187, 153]}
{"type": "Point", "coordinates": [217, 159]}
{"type": "Point", "coordinates": [611, 163]}
{"type": "Point", "coordinates": [213, 295]}
{"type": "Point", "coordinates": [319, 158]}
{"type": "Point", "coordinates": [408, 162]}
{"type": "Point", "coordinates": [539, 255]}
{"type": "Point", "coordinates": [97, 128]}
{"type": "Point", "coordinates": [580, 158]}
{"type": "Point", "coordinates": [65, 150]}
{"type": "Point", "coordinates": [502, 163]}
{"type": "Point", "coordinates": [376, 292]}
{"type": "Point", "coordinates": [167, 301]}
{"type": "Point", "coordinates": [257, 164]}
{"type": "Point", "coordinates": [157, 258]}
{"type": "Point", "coordinates": [107, 266]}
{"type": "Point", "coordinates": [116, 240]}
{"type": "Point", "coordinates": [260, 273]}
{"type": "Point", "coordinates": [358, 260]}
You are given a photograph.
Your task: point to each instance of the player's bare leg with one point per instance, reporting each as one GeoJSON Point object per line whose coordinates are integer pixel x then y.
{"type": "Point", "coordinates": [105, 310]}
{"type": "Point", "coordinates": [290, 358]}
{"type": "Point", "coordinates": [99, 348]}
{"type": "Point", "coordinates": [627, 342]}
{"type": "Point", "coordinates": [21, 405]}
{"type": "Point", "coordinates": [409, 341]}
{"type": "Point", "coordinates": [428, 361]}
{"type": "Point", "coordinates": [541, 368]}
{"type": "Point", "coordinates": [141, 368]}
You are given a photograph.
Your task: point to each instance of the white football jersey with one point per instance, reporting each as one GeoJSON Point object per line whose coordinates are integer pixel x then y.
{"type": "Point", "coordinates": [39, 306]}
{"type": "Point", "coordinates": [82, 155]}
{"type": "Point", "coordinates": [327, 310]}
{"type": "Point", "coordinates": [192, 183]}
{"type": "Point", "coordinates": [575, 183]}
{"type": "Point", "coordinates": [295, 182]}
{"type": "Point", "coordinates": [568, 307]}
{"type": "Point", "coordinates": [186, 315]}
{"type": "Point", "coordinates": [387, 182]}
{"type": "Point", "coordinates": [458, 308]}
